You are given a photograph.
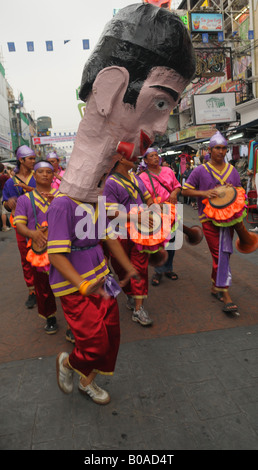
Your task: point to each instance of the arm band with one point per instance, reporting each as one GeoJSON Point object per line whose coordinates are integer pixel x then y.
{"type": "Point", "coordinates": [83, 287]}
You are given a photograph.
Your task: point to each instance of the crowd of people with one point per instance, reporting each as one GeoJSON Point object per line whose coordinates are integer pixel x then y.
{"type": "Point", "coordinates": [57, 261]}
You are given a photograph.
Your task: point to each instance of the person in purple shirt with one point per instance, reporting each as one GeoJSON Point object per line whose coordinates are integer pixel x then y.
{"type": "Point", "coordinates": [122, 190]}
{"type": "Point", "coordinates": [80, 277]}
{"type": "Point", "coordinates": [30, 216]}
{"type": "Point", "coordinates": [202, 184]}
{"type": "Point", "coordinates": [13, 189]}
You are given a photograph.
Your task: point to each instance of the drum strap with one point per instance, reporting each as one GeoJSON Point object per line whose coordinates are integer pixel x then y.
{"type": "Point", "coordinates": [209, 171]}
{"type": "Point", "coordinates": [122, 178]}
{"type": "Point", "coordinates": [14, 178]}
{"type": "Point", "coordinates": [32, 200]}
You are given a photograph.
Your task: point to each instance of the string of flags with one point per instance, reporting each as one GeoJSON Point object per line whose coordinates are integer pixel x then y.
{"type": "Point", "coordinates": [49, 45]}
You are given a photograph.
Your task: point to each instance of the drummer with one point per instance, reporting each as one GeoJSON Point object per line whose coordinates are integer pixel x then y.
{"type": "Point", "coordinates": [122, 189]}
{"type": "Point", "coordinates": [202, 184]}
{"type": "Point", "coordinates": [30, 213]}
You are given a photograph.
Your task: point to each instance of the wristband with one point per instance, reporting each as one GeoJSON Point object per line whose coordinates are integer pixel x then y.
{"type": "Point", "coordinates": [83, 287]}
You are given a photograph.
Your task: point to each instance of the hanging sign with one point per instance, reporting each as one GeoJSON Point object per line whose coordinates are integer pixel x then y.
{"type": "Point", "coordinates": [206, 22]}
{"type": "Point", "coordinates": [214, 108]}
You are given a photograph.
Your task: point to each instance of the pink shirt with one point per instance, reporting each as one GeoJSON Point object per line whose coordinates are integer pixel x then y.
{"type": "Point", "coordinates": [166, 177]}
{"type": "Point", "coordinates": [56, 182]}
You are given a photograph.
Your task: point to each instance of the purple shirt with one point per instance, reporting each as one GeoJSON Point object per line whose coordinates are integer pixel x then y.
{"type": "Point", "coordinates": [24, 213]}
{"type": "Point", "coordinates": [123, 192]}
{"type": "Point", "coordinates": [206, 177]}
{"type": "Point", "coordinates": [16, 191]}
{"type": "Point", "coordinates": [75, 230]}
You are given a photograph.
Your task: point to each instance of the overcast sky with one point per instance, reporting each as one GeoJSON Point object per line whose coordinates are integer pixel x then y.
{"type": "Point", "coordinates": [48, 80]}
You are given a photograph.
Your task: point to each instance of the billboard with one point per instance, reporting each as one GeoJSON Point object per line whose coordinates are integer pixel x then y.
{"type": "Point", "coordinates": [214, 108]}
{"type": "Point", "coordinates": [206, 22]}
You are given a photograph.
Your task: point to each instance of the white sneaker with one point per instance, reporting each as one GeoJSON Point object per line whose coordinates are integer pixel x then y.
{"type": "Point", "coordinates": [142, 317]}
{"type": "Point", "coordinates": [64, 375]}
{"type": "Point", "coordinates": [97, 394]}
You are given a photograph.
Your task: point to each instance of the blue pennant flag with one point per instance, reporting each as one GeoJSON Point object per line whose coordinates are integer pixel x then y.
{"type": "Point", "coordinates": [30, 46]}
{"type": "Point", "coordinates": [49, 45]}
{"type": "Point", "coordinates": [221, 36]}
{"type": "Point", "coordinates": [86, 43]}
{"type": "Point", "coordinates": [11, 46]}
{"type": "Point", "coordinates": [205, 38]}
{"type": "Point", "coordinates": [66, 41]}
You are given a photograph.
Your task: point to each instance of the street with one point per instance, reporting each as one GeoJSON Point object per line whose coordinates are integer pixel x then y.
{"type": "Point", "coordinates": [188, 382]}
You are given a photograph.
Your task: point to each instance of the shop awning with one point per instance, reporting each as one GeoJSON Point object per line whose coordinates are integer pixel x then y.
{"type": "Point", "coordinates": [251, 126]}
{"type": "Point", "coordinates": [191, 143]}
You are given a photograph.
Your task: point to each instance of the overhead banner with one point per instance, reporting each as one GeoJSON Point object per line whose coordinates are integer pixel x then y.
{"type": "Point", "coordinates": [53, 139]}
{"type": "Point", "coordinates": [214, 108]}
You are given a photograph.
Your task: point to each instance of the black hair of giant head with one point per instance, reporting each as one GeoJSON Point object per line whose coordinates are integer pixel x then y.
{"type": "Point", "coordinates": [139, 38]}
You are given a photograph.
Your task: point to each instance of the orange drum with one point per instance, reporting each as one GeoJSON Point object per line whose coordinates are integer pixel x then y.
{"type": "Point", "coordinates": [163, 222]}
{"type": "Point", "coordinates": [37, 256]}
{"type": "Point", "coordinates": [228, 208]}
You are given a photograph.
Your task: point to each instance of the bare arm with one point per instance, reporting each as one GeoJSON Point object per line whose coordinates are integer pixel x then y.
{"type": "Point", "coordinates": [210, 193]}
{"type": "Point", "coordinates": [38, 236]}
{"type": "Point", "coordinates": [64, 266]}
{"type": "Point", "coordinates": [173, 195]}
{"type": "Point", "coordinates": [66, 269]}
{"type": "Point", "coordinates": [118, 252]}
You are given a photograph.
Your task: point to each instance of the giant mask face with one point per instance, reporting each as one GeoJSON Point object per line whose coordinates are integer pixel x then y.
{"type": "Point", "coordinates": [132, 81]}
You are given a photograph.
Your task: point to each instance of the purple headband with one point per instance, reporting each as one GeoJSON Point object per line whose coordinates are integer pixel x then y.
{"type": "Point", "coordinates": [52, 155]}
{"type": "Point", "coordinates": [24, 151]}
{"type": "Point", "coordinates": [43, 165]}
{"type": "Point", "coordinates": [217, 139]}
{"type": "Point", "coordinates": [149, 150]}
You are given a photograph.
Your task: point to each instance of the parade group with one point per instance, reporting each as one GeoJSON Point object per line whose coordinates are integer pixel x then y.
{"type": "Point", "coordinates": [49, 206]}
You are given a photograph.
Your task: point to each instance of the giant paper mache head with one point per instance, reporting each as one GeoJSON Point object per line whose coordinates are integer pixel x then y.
{"type": "Point", "coordinates": [134, 78]}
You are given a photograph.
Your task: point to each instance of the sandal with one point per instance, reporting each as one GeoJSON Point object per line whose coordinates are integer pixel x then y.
{"type": "Point", "coordinates": [156, 278]}
{"type": "Point", "coordinates": [218, 295]}
{"type": "Point", "coordinates": [230, 308]}
{"type": "Point", "coordinates": [172, 276]}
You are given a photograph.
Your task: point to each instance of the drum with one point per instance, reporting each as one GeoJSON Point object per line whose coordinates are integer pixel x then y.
{"type": "Point", "coordinates": [157, 223]}
{"type": "Point", "coordinates": [38, 250]}
{"type": "Point", "coordinates": [226, 196]}
{"type": "Point", "coordinates": [163, 222]}
{"type": "Point", "coordinates": [37, 255]}
{"type": "Point", "coordinates": [228, 208]}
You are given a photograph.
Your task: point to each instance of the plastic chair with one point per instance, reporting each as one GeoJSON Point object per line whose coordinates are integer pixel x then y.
{"type": "Point", "coordinates": [252, 207]}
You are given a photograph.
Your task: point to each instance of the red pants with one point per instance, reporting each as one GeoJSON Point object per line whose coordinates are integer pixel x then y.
{"type": "Point", "coordinates": [45, 298]}
{"type": "Point", "coordinates": [94, 322]}
{"type": "Point", "coordinates": [211, 233]}
{"type": "Point", "coordinates": [28, 272]}
{"type": "Point", "coordinates": [134, 288]}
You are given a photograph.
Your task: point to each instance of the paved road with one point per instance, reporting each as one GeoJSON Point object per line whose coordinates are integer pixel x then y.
{"type": "Point", "coordinates": [188, 382]}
